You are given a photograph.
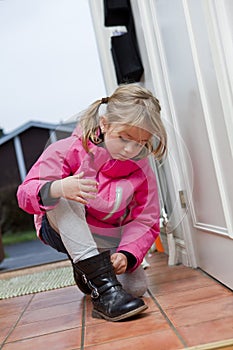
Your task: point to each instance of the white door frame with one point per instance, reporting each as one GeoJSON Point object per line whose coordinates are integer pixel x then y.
{"type": "Point", "coordinates": [178, 167]}
{"type": "Point", "coordinates": [154, 61]}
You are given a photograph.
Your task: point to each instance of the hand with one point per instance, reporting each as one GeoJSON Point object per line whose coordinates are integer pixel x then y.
{"type": "Point", "coordinates": [75, 188]}
{"type": "Point", "coordinates": [119, 262]}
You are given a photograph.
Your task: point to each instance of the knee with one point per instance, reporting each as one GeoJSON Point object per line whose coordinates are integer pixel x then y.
{"type": "Point", "coordinates": [134, 283]}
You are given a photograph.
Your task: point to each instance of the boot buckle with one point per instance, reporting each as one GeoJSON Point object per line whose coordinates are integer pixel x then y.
{"type": "Point", "coordinates": [94, 293]}
{"type": "Point", "coordinates": [84, 279]}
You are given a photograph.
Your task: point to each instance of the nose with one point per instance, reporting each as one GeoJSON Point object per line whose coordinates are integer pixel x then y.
{"type": "Point", "coordinates": [130, 147]}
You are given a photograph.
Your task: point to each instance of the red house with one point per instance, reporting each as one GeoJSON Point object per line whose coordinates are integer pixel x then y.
{"type": "Point", "coordinates": [18, 152]}
{"type": "Point", "coordinates": [21, 148]}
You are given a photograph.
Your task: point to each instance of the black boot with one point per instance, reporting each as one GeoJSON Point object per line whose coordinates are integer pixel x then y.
{"type": "Point", "coordinates": [79, 280]}
{"type": "Point", "coordinates": [110, 301]}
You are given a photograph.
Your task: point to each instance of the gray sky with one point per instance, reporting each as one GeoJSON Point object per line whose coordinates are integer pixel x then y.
{"type": "Point", "coordinates": [49, 65]}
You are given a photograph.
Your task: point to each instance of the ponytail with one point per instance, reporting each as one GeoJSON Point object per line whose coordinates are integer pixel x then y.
{"type": "Point", "coordinates": [89, 123]}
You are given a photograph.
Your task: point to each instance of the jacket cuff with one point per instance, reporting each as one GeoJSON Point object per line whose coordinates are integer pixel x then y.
{"type": "Point", "coordinates": [45, 199]}
{"type": "Point", "coordinates": [130, 259]}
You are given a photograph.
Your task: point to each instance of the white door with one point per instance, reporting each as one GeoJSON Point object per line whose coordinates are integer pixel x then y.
{"type": "Point", "coordinates": [186, 49]}
{"type": "Point", "coordinates": [194, 40]}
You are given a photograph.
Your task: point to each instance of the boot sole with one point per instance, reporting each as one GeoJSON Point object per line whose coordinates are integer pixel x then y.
{"type": "Point", "coordinates": [98, 314]}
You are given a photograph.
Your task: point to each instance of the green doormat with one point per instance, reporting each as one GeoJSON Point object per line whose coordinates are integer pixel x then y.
{"type": "Point", "coordinates": [36, 282]}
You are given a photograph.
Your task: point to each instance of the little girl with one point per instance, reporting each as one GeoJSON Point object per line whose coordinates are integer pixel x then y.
{"type": "Point", "coordinates": [94, 197]}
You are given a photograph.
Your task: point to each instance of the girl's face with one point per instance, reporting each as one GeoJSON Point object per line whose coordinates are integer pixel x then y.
{"type": "Point", "coordinates": [124, 143]}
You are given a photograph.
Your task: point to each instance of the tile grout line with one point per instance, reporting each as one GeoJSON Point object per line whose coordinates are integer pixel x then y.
{"type": "Point", "coordinates": [167, 319]}
{"type": "Point", "coordinates": [83, 323]}
{"type": "Point", "coordinates": [16, 323]}
{"type": "Point", "coordinates": [222, 344]}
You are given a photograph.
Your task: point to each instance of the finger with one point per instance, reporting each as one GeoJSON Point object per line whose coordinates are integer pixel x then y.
{"type": "Point", "coordinates": [118, 265]}
{"type": "Point", "coordinates": [115, 265]}
{"type": "Point", "coordinates": [89, 189]}
{"type": "Point", "coordinates": [80, 200]}
{"type": "Point", "coordinates": [119, 258]}
{"type": "Point", "coordinates": [113, 257]}
{"type": "Point", "coordinates": [87, 183]}
{"type": "Point", "coordinates": [87, 195]}
{"type": "Point", "coordinates": [84, 180]}
{"type": "Point", "coordinates": [80, 175]}
{"type": "Point", "coordinates": [91, 182]}
{"type": "Point", "coordinates": [120, 270]}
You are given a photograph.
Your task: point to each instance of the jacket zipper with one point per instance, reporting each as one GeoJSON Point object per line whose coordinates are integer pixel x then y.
{"type": "Point", "coordinates": [118, 200]}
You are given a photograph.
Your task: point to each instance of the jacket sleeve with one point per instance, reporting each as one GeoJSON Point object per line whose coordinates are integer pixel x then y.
{"type": "Point", "coordinates": [141, 226]}
{"type": "Point", "coordinates": [54, 163]}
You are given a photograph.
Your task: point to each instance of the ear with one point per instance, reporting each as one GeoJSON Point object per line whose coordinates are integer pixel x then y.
{"type": "Point", "coordinates": [103, 124]}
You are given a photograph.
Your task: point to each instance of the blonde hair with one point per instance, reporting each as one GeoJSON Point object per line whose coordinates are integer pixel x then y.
{"type": "Point", "coordinates": [130, 104]}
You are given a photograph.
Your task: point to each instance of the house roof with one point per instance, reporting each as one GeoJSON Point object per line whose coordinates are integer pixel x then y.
{"type": "Point", "coordinates": [66, 127]}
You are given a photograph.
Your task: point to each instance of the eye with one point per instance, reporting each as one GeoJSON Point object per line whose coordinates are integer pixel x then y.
{"type": "Point", "coordinates": [136, 144]}
{"type": "Point", "coordinates": [139, 145]}
{"type": "Point", "coordinates": [123, 139]}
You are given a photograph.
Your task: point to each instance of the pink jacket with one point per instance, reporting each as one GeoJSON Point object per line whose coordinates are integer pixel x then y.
{"type": "Point", "coordinates": [126, 205]}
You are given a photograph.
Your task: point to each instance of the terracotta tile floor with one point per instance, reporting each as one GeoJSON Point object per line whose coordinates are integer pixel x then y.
{"type": "Point", "coordinates": [186, 309]}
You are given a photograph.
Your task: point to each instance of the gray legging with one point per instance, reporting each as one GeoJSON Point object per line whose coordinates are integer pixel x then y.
{"type": "Point", "coordinates": [67, 231]}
